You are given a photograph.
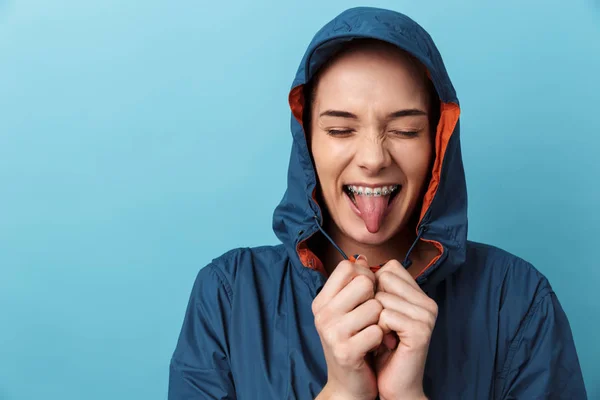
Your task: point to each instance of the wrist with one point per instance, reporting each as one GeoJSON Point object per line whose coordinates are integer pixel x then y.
{"type": "Point", "coordinates": [329, 392]}
{"type": "Point", "coordinates": [420, 396]}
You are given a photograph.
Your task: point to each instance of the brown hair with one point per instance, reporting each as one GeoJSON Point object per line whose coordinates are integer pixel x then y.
{"type": "Point", "coordinates": [311, 86]}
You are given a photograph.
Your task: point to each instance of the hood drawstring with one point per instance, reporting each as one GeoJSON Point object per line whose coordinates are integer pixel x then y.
{"type": "Point", "coordinates": [407, 261]}
{"type": "Point", "coordinates": [330, 239]}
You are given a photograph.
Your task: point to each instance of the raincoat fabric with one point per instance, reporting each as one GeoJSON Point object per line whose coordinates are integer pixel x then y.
{"type": "Point", "coordinates": [249, 331]}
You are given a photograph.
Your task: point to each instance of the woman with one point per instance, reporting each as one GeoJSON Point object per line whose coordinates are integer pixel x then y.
{"type": "Point", "coordinates": [417, 311]}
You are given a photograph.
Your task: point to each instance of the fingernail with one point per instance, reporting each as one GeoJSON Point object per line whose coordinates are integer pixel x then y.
{"type": "Point", "coordinates": [361, 257]}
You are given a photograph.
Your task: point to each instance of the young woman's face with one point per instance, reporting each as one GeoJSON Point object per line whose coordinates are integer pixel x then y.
{"type": "Point", "coordinates": [371, 143]}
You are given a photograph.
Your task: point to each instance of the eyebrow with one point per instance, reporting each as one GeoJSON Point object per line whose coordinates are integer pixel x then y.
{"type": "Point", "coordinates": [396, 114]}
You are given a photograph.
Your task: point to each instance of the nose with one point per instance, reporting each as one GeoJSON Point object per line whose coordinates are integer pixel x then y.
{"type": "Point", "coordinates": [372, 154]}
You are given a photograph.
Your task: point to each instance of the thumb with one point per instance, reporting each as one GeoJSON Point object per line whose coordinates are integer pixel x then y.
{"type": "Point", "coordinates": [365, 270]}
{"type": "Point", "coordinates": [361, 260]}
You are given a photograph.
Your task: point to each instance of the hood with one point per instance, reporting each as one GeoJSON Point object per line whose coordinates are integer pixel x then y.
{"type": "Point", "coordinates": [443, 217]}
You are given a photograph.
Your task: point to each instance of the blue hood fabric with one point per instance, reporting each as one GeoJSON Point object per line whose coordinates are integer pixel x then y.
{"type": "Point", "coordinates": [249, 331]}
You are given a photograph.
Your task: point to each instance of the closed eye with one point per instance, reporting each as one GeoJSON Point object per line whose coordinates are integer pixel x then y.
{"type": "Point", "coordinates": [406, 133]}
{"type": "Point", "coordinates": [345, 132]}
{"type": "Point", "coordinates": [340, 132]}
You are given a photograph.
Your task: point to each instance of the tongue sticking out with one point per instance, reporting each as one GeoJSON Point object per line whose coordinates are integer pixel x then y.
{"type": "Point", "coordinates": [372, 210]}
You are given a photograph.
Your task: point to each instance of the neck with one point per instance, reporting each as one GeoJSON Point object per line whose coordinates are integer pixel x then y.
{"type": "Point", "coordinates": [393, 249]}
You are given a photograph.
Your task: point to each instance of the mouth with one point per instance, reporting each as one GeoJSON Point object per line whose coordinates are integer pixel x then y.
{"type": "Point", "coordinates": [389, 191]}
{"type": "Point", "coordinates": [372, 203]}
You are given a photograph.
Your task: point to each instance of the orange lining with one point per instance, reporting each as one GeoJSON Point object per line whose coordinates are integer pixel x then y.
{"type": "Point", "coordinates": [296, 100]}
{"type": "Point", "coordinates": [309, 259]}
{"type": "Point", "coordinates": [449, 114]}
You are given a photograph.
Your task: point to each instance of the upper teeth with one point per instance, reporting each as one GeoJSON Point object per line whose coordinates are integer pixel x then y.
{"type": "Point", "coordinates": [377, 191]}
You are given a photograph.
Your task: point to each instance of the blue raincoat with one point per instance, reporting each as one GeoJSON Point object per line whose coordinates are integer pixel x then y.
{"type": "Point", "coordinates": [249, 330]}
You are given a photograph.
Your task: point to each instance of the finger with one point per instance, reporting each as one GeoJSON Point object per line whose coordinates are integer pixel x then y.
{"type": "Point", "coordinates": [390, 340]}
{"type": "Point", "coordinates": [366, 340]}
{"type": "Point", "coordinates": [398, 269]}
{"type": "Point", "coordinates": [361, 260]}
{"type": "Point", "coordinates": [358, 291]}
{"type": "Point", "coordinates": [341, 276]}
{"type": "Point", "coordinates": [361, 317]}
{"type": "Point", "coordinates": [410, 332]}
{"type": "Point", "coordinates": [391, 283]}
{"type": "Point", "coordinates": [362, 266]}
{"type": "Point", "coordinates": [395, 303]}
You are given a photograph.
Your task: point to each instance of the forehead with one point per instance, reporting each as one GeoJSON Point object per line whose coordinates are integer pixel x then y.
{"type": "Point", "coordinates": [374, 75]}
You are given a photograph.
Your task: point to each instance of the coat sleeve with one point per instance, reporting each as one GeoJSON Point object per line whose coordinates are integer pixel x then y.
{"type": "Point", "coordinates": [542, 362]}
{"type": "Point", "coordinates": [200, 366]}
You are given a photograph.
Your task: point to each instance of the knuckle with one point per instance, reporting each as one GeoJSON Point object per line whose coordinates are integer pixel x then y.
{"type": "Point", "coordinates": [331, 336]}
{"type": "Point", "coordinates": [431, 321]}
{"type": "Point", "coordinates": [380, 299]}
{"type": "Point", "coordinates": [384, 315]}
{"type": "Point", "coordinates": [392, 266]}
{"type": "Point", "coordinates": [385, 275]}
{"type": "Point", "coordinates": [369, 274]}
{"type": "Point", "coordinates": [433, 307]}
{"type": "Point", "coordinates": [345, 268]}
{"type": "Point", "coordinates": [426, 320]}
{"type": "Point", "coordinates": [384, 267]}
{"type": "Point", "coordinates": [382, 270]}
{"type": "Point", "coordinates": [372, 308]}
{"type": "Point", "coordinates": [320, 319]}
{"type": "Point", "coordinates": [375, 305]}
{"type": "Point", "coordinates": [364, 283]}
{"type": "Point", "coordinates": [342, 354]}
{"type": "Point", "coordinates": [431, 324]}
{"type": "Point", "coordinates": [377, 333]}
{"type": "Point", "coordinates": [315, 306]}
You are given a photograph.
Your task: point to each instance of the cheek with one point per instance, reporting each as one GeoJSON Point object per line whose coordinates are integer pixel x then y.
{"type": "Point", "coordinates": [414, 158]}
{"type": "Point", "coordinates": [329, 157]}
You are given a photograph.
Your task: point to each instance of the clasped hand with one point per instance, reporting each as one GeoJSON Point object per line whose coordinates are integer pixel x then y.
{"type": "Point", "coordinates": [375, 331]}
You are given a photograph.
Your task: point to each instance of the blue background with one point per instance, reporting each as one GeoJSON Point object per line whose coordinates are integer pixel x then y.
{"type": "Point", "coordinates": [138, 140]}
